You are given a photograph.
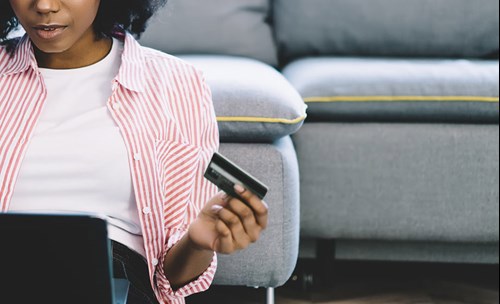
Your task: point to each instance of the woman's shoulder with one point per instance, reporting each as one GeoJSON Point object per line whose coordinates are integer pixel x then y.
{"type": "Point", "coordinates": [174, 64]}
{"type": "Point", "coordinates": [176, 74]}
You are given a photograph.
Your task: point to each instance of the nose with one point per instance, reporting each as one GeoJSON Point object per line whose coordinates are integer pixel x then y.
{"type": "Point", "coordinates": [47, 6]}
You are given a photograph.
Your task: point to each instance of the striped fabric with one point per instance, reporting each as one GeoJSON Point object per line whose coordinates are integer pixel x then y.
{"type": "Point", "coordinates": [164, 110]}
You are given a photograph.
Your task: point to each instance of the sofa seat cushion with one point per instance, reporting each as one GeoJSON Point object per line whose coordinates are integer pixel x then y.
{"type": "Point", "coordinates": [398, 90]}
{"type": "Point", "coordinates": [253, 102]}
{"type": "Point", "coordinates": [423, 28]}
{"type": "Point", "coordinates": [399, 182]}
{"type": "Point", "coordinates": [228, 27]}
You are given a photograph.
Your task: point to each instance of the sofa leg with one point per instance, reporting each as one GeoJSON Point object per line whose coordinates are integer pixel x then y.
{"type": "Point", "coordinates": [270, 296]}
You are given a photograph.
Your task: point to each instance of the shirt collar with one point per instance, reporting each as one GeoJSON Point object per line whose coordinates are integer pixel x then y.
{"type": "Point", "coordinates": [131, 74]}
{"type": "Point", "coordinates": [23, 57]}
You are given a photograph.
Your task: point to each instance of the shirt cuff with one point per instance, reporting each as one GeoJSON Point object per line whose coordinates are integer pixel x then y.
{"type": "Point", "coordinates": [201, 284]}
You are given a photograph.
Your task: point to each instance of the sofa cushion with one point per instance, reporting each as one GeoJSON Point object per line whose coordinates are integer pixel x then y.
{"type": "Point", "coordinates": [444, 28]}
{"type": "Point", "coordinates": [405, 182]}
{"type": "Point", "coordinates": [229, 27]}
{"type": "Point", "coordinates": [253, 101]}
{"type": "Point", "coordinates": [400, 90]}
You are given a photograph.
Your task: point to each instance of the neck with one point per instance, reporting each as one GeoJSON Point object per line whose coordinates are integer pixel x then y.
{"type": "Point", "coordinates": [86, 51]}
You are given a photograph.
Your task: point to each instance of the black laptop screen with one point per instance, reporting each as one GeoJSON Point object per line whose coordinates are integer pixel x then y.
{"type": "Point", "coordinates": [54, 259]}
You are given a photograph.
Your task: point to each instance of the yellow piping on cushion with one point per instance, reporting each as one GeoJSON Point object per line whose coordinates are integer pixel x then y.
{"type": "Point", "coordinates": [261, 119]}
{"type": "Point", "coordinates": [400, 98]}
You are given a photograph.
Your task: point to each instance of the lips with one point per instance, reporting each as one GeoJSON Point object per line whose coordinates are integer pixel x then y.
{"type": "Point", "coordinates": [49, 31]}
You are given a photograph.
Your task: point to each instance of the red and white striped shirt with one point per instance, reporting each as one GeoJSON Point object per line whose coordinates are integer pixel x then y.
{"type": "Point", "coordinates": [165, 113]}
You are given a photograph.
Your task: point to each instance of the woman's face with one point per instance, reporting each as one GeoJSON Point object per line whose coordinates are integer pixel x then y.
{"type": "Point", "coordinates": [56, 26]}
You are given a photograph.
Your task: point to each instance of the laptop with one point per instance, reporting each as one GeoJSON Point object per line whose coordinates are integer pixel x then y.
{"type": "Point", "coordinates": [57, 259]}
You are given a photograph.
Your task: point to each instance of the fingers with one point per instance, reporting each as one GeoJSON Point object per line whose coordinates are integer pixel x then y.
{"type": "Point", "coordinates": [224, 243]}
{"type": "Point", "coordinates": [259, 207]}
{"type": "Point", "coordinates": [233, 225]}
{"type": "Point", "coordinates": [239, 223]}
{"type": "Point", "coordinates": [247, 218]}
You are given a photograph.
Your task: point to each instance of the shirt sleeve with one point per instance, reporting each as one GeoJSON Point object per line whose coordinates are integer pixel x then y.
{"type": "Point", "coordinates": [207, 138]}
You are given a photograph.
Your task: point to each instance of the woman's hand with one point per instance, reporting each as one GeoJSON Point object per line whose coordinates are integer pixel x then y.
{"type": "Point", "coordinates": [227, 224]}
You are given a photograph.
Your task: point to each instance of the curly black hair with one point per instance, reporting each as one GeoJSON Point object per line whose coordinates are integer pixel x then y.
{"type": "Point", "coordinates": [129, 15]}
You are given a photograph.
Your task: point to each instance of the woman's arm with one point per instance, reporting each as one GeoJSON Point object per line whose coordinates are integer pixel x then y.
{"type": "Point", "coordinates": [185, 262]}
{"type": "Point", "coordinates": [225, 225]}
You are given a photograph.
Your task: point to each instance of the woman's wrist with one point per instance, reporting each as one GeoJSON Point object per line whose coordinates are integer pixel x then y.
{"type": "Point", "coordinates": [185, 262]}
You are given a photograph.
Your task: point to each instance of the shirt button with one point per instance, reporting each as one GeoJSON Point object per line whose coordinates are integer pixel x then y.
{"type": "Point", "coordinates": [146, 210]}
{"type": "Point", "coordinates": [155, 262]}
{"type": "Point", "coordinates": [116, 106]}
{"type": "Point", "coordinates": [137, 156]}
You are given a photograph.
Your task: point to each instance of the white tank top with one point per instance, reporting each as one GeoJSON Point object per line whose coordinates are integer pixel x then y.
{"type": "Point", "coordinates": [77, 160]}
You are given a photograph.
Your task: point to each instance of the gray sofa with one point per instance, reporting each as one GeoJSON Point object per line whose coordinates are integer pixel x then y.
{"type": "Point", "coordinates": [399, 154]}
{"type": "Point", "coordinates": [399, 159]}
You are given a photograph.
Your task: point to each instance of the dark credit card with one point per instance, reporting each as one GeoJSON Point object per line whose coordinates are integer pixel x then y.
{"type": "Point", "coordinates": [225, 175]}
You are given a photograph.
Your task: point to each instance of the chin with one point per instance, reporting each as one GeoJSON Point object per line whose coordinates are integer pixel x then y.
{"type": "Point", "coordinates": [51, 47]}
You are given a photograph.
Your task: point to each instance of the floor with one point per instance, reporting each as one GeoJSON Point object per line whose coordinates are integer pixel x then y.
{"type": "Point", "coordinates": [374, 283]}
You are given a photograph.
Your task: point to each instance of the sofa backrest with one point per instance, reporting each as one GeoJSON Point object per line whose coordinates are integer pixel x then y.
{"type": "Point", "coordinates": [288, 29]}
{"type": "Point", "coordinates": [410, 28]}
{"type": "Point", "coordinates": [227, 27]}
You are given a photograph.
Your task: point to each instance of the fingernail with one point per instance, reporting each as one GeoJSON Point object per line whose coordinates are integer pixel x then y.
{"type": "Point", "coordinates": [224, 197]}
{"type": "Point", "coordinates": [266, 205]}
{"type": "Point", "coordinates": [216, 208]}
{"type": "Point", "coordinates": [239, 189]}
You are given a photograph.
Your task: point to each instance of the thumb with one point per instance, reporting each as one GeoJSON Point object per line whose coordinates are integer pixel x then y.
{"type": "Point", "coordinates": [217, 202]}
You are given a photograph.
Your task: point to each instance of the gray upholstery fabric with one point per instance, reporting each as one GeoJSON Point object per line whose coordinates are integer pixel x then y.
{"type": "Point", "coordinates": [271, 261]}
{"type": "Point", "coordinates": [409, 182]}
{"type": "Point", "coordinates": [442, 28]}
{"type": "Point", "coordinates": [247, 90]}
{"type": "Point", "coordinates": [229, 27]}
{"type": "Point", "coordinates": [344, 78]}
{"type": "Point", "coordinates": [483, 253]}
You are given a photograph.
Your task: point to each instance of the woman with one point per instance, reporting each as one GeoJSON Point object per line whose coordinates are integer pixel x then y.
{"type": "Point", "coordinates": [91, 122]}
